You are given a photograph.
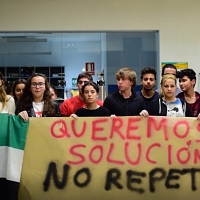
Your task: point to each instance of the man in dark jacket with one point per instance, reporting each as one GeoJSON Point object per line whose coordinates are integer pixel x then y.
{"type": "Point", "coordinates": [187, 81]}
{"type": "Point", "coordinates": [148, 82]}
{"type": "Point", "coordinates": [125, 102]}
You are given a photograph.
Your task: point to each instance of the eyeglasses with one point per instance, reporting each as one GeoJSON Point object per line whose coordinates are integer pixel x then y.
{"type": "Point", "coordinates": [34, 84]}
{"type": "Point", "coordinates": [81, 82]}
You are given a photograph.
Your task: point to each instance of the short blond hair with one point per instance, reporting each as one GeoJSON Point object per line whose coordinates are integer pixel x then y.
{"type": "Point", "coordinates": [127, 73]}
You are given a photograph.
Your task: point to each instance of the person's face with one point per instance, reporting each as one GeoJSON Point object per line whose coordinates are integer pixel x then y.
{"type": "Point", "coordinates": [170, 71]}
{"type": "Point", "coordinates": [186, 84]}
{"type": "Point", "coordinates": [19, 90]}
{"type": "Point", "coordinates": [37, 86]}
{"type": "Point", "coordinates": [148, 81]}
{"type": "Point", "coordinates": [53, 95]}
{"type": "Point", "coordinates": [124, 84]}
{"type": "Point", "coordinates": [80, 83]}
{"type": "Point", "coordinates": [169, 88]}
{"type": "Point", "coordinates": [90, 94]}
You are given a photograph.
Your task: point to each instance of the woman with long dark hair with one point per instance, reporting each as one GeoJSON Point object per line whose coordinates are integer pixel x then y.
{"type": "Point", "coordinates": [7, 103]}
{"type": "Point", "coordinates": [17, 89]}
{"type": "Point", "coordinates": [36, 99]}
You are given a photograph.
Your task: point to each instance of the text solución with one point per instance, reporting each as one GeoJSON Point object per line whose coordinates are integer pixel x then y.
{"type": "Point", "coordinates": [129, 140]}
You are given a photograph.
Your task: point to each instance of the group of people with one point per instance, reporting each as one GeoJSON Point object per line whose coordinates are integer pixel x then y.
{"type": "Point", "coordinates": [36, 98]}
{"type": "Point", "coordinates": [171, 100]}
{"type": "Point", "coordinates": [168, 100]}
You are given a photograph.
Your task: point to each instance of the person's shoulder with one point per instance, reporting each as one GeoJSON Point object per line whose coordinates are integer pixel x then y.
{"type": "Point", "coordinates": [180, 99]}
{"type": "Point", "coordinates": [80, 110]}
{"type": "Point", "coordinates": [156, 95]}
{"type": "Point", "coordinates": [9, 98]}
{"type": "Point", "coordinates": [104, 110]}
{"type": "Point", "coordinates": [155, 101]}
{"type": "Point", "coordinates": [180, 95]}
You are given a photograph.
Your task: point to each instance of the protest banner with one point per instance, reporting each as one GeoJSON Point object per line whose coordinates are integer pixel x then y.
{"type": "Point", "coordinates": [103, 158]}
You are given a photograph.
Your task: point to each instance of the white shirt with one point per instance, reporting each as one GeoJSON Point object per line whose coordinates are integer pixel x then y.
{"type": "Point", "coordinates": [10, 105]}
{"type": "Point", "coordinates": [175, 109]}
{"type": "Point", "coordinates": [38, 108]}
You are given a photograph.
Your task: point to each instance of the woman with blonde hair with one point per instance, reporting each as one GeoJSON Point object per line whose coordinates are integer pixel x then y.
{"type": "Point", "coordinates": [168, 104]}
{"type": "Point", "coordinates": [7, 102]}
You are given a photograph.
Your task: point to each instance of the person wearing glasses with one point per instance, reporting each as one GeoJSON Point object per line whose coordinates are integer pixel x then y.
{"type": "Point", "coordinates": [36, 99]}
{"type": "Point", "coordinates": [7, 102]}
{"type": "Point", "coordinates": [71, 105]}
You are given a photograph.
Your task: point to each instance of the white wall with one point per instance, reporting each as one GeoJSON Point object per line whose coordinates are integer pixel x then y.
{"type": "Point", "coordinates": [176, 20]}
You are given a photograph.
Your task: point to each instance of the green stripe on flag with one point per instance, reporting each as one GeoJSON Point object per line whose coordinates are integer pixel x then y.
{"type": "Point", "coordinates": [13, 132]}
{"type": "Point", "coordinates": [3, 129]}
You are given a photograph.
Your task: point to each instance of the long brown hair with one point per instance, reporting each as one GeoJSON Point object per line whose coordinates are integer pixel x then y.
{"type": "Point", "coordinates": [17, 82]}
{"type": "Point", "coordinates": [3, 95]}
{"type": "Point", "coordinates": [27, 96]}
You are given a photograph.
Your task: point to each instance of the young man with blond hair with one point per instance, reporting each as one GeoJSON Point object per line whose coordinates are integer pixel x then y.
{"type": "Point", "coordinates": [125, 102]}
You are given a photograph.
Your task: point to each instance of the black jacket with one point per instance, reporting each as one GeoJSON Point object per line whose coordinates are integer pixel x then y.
{"type": "Point", "coordinates": [119, 106]}
{"type": "Point", "coordinates": [31, 112]}
{"type": "Point", "coordinates": [158, 108]}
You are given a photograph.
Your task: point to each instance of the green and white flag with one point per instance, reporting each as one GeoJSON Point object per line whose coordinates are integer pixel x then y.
{"type": "Point", "coordinates": [13, 131]}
